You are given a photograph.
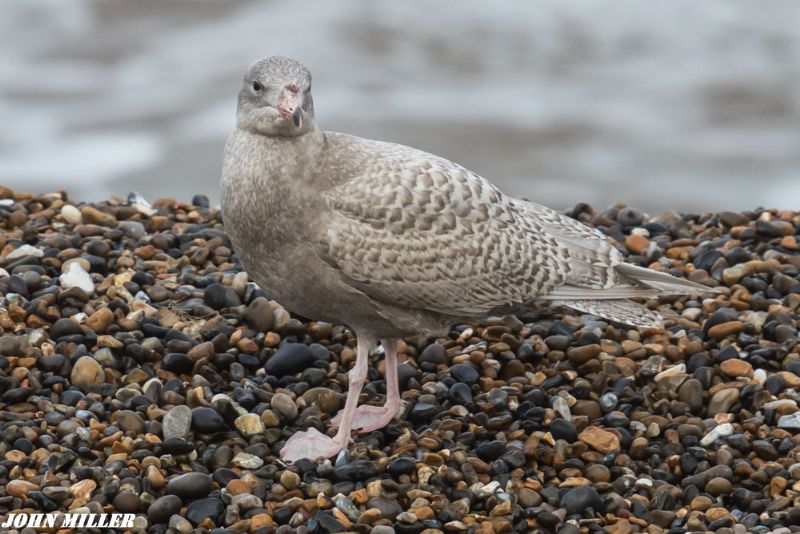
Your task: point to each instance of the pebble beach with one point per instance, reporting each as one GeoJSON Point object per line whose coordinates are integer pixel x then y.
{"type": "Point", "coordinates": [142, 372]}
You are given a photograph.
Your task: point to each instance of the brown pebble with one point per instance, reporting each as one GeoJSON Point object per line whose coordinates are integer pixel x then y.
{"type": "Point", "coordinates": [584, 353]}
{"type": "Point", "coordinates": [20, 488]}
{"type": "Point", "coordinates": [100, 320]}
{"type": "Point", "coordinates": [721, 331]}
{"type": "Point", "coordinates": [737, 368]}
{"type": "Point", "coordinates": [93, 215]}
{"type": "Point", "coordinates": [637, 244]}
{"type": "Point", "coordinates": [599, 439]}
{"type": "Point", "coordinates": [87, 372]}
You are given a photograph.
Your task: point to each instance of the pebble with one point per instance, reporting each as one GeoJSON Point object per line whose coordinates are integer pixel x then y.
{"type": "Point", "coordinates": [326, 399]}
{"type": "Point", "coordinates": [563, 429]}
{"type": "Point", "coordinates": [464, 373]}
{"type": "Point", "coordinates": [723, 400]}
{"type": "Point", "coordinates": [249, 424]}
{"type": "Point", "coordinates": [64, 327]}
{"type": "Point", "coordinates": [247, 461]}
{"type": "Point", "coordinates": [284, 405]}
{"type": "Point", "coordinates": [289, 359]}
{"type": "Point", "coordinates": [460, 393]}
{"type": "Point", "coordinates": [133, 229]}
{"type": "Point", "coordinates": [691, 393]}
{"type": "Point", "coordinates": [130, 421]}
{"type": "Point", "coordinates": [433, 353]}
{"type": "Point", "coordinates": [76, 276]}
{"type": "Point", "coordinates": [86, 373]}
{"type": "Point", "coordinates": [23, 251]}
{"type": "Point", "coordinates": [163, 508]}
{"type": "Point", "coordinates": [71, 214]}
{"type": "Point", "coordinates": [92, 215]}
{"type": "Point", "coordinates": [207, 421]}
{"type": "Point", "coordinates": [790, 421]}
{"type": "Point", "coordinates": [490, 450]}
{"type": "Point", "coordinates": [191, 485]}
{"type": "Point", "coordinates": [259, 315]}
{"type": "Point", "coordinates": [600, 440]}
{"type": "Point", "coordinates": [737, 368]}
{"type": "Point", "coordinates": [177, 422]}
{"type": "Point", "coordinates": [203, 509]}
{"type": "Point", "coordinates": [578, 501]}
{"type": "Point", "coordinates": [126, 502]}
{"type": "Point", "coordinates": [720, 431]}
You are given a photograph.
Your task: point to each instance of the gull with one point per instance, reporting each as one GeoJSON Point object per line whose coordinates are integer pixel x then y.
{"type": "Point", "coordinates": [394, 241]}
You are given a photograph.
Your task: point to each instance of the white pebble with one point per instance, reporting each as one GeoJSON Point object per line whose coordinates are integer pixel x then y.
{"type": "Point", "coordinates": [719, 431]}
{"type": "Point", "coordinates": [562, 408]}
{"type": "Point", "coordinates": [692, 313]}
{"type": "Point", "coordinates": [790, 421]}
{"type": "Point", "coordinates": [487, 490]}
{"type": "Point", "coordinates": [25, 250]}
{"type": "Point", "coordinates": [247, 461]}
{"type": "Point", "coordinates": [76, 276]}
{"type": "Point", "coordinates": [760, 376]}
{"type": "Point", "coordinates": [675, 370]}
{"type": "Point", "coordinates": [71, 214]}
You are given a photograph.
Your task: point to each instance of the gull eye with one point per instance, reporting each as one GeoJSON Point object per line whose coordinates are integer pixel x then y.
{"type": "Point", "coordinates": [257, 86]}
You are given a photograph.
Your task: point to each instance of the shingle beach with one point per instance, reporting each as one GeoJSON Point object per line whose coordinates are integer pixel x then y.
{"type": "Point", "coordinates": [142, 372]}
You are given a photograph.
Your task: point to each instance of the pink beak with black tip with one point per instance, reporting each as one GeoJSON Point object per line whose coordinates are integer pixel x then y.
{"type": "Point", "coordinates": [290, 105]}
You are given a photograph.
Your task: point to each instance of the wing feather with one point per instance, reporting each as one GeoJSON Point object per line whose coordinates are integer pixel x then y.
{"type": "Point", "coordinates": [439, 236]}
{"type": "Point", "coordinates": [412, 229]}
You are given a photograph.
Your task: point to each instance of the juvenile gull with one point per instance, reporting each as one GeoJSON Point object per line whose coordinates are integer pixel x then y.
{"type": "Point", "coordinates": [394, 241]}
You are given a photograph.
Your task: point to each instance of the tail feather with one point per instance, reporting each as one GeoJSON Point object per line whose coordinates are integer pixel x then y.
{"type": "Point", "coordinates": [634, 281]}
{"type": "Point", "coordinates": [618, 310]}
{"type": "Point", "coordinates": [612, 302]}
{"type": "Point", "coordinates": [665, 283]}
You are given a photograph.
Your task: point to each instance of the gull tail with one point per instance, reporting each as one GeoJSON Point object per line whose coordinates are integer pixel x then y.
{"type": "Point", "coordinates": [632, 282]}
{"type": "Point", "coordinates": [618, 310]}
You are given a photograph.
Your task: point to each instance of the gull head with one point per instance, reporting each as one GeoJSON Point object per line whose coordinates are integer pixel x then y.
{"type": "Point", "coordinates": [275, 99]}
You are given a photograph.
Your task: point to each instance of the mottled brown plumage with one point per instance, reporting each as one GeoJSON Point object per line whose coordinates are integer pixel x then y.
{"type": "Point", "coordinates": [391, 240]}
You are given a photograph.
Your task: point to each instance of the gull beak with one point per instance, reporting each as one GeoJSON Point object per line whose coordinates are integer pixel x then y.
{"type": "Point", "coordinates": [290, 105]}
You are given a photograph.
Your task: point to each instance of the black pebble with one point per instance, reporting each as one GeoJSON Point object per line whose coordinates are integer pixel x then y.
{"type": "Point", "coordinates": [163, 508]}
{"type": "Point", "coordinates": [64, 327]}
{"type": "Point", "coordinates": [490, 450]}
{"type": "Point", "coordinates": [211, 507]}
{"type": "Point", "coordinates": [207, 421]}
{"type": "Point", "coordinates": [563, 429]}
{"type": "Point", "coordinates": [178, 363]}
{"type": "Point", "coordinates": [289, 359]}
{"type": "Point", "coordinates": [433, 353]}
{"type": "Point", "coordinates": [578, 500]}
{"type": "Point", "coordinates": [201, 201]}
{"type": "Point", "coordinates": [401, 466]}
{"type": "Point", "coordinates": [464, 372]}
{"type": "Point", "coordinates": [219, 296]}
{"type": "Point", "coordinates": [422, 412]}
{"type": "Point", "coordinates": [460, 393]}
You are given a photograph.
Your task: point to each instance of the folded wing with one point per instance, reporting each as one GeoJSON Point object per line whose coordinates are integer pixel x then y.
{"type": "Point", "coordinates": [416, 230]}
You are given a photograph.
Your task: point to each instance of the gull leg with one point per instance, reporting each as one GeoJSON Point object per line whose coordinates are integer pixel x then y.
{"type": "Point", "coordinates": [369, 418]}
{"type": "Point", "coordinates": [312, 443]}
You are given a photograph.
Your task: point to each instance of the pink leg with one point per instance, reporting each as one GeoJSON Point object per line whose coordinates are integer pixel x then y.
{"type": "Point", "coordinates": [312, 443]}
{"type": "Point", "coordinates": [369, 418]}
